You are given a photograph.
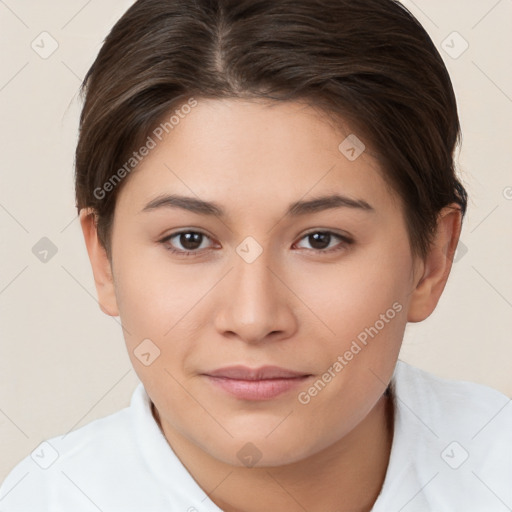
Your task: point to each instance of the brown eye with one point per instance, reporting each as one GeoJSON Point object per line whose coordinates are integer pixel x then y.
{"type": "Point", "coordinates": [190, 241]}
{"type": "Point", "coordinates": [319, 240]}
{"type": "Point", "coordinates": [185, 242]}
{"type": "Point", "coordinates": [325, 241]}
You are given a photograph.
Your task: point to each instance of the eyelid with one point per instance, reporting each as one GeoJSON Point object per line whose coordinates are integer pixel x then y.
{"type": "Point", "coordinates": [345, 238]}
{"type": "Point", "coordinates": [166, 238]}
{"type": "Point", "coordinates": [343, 235]}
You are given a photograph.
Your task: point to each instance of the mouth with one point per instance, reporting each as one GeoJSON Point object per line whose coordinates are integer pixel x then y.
{"type": "Point", "coordinates": [262, 383]}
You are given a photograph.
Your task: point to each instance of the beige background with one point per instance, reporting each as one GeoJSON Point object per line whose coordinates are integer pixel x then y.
{"type": "Point", "coordinates": [63, 363]}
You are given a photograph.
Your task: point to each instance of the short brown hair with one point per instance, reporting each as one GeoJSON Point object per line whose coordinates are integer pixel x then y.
{"type": "Point", "coordinates": [369, 62]}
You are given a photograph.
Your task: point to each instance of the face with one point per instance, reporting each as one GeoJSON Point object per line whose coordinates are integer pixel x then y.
{"type": "Point", "coordinates": [276, 272]}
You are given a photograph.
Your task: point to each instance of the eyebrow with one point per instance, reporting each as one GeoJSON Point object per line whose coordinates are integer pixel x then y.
{"type": "Point", "coordinates": [295, 209]}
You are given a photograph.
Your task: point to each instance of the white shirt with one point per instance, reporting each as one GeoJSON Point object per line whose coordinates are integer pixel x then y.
{"type": "Point", "coordinates": [451, 451]}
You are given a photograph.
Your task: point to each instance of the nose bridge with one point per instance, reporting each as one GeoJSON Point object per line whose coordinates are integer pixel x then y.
{"type": "Point", "coordinates": [254, 306]}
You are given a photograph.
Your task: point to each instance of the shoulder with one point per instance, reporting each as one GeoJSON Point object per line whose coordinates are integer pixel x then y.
{"type": "Point", "coordinates": [452, 443]}
{"type": "Point", "coordinates": [56, 464]}
{"type": "Point", "coordinates": [451, 402]}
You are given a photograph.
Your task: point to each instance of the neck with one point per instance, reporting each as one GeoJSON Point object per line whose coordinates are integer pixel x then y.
{"type": "Point", "coordinates": [347, 476]}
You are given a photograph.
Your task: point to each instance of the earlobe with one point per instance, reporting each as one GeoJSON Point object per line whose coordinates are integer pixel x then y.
{"type": "Point", "coordinates": [101, 266]}
{"type": "Point", "coordinates": [437, 265]}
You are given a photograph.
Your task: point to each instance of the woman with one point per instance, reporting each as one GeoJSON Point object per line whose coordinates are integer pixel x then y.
{"type": "Point", "coordinates": [267, 194]}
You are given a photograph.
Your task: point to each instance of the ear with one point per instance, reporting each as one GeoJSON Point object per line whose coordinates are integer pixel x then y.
{"type": "Point", "coordinates": [100, 263]}
{"type": "Point", "coordinates": [436, 265]}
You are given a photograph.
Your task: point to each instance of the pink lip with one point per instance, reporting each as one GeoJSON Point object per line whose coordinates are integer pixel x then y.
{"type": "Point", "coordinates": [256, 384]}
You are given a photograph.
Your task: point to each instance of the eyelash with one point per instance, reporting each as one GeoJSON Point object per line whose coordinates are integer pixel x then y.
{"type": "Point", "coordinates": [345, 241]}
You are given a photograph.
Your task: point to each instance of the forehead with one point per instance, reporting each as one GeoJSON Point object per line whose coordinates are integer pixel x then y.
{"type": "Point", "coordinates": [239, 153]}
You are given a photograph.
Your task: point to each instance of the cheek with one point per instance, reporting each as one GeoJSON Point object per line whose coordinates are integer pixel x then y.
{"type": "Point", "coordinates": [163, 303]}
{"type": "Point", "coordinates": [154, 293]}
{"type": "Point", "coordinates": [364, 305]}
{"type": "Point", "coordinates": [352, 294]}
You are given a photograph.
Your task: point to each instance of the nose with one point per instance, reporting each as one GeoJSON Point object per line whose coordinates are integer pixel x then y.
{"type": "Point", "coordinates": [255, 303]}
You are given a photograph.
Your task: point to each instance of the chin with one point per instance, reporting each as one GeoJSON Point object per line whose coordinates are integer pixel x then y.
{"type": "Point", "coordinates": [258, 451]}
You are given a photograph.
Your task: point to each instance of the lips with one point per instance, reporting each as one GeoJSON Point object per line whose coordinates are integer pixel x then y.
{"type": "Point", "coordinates": [261, 383]}
{"type": "Point", "coordinates": [265, 372]}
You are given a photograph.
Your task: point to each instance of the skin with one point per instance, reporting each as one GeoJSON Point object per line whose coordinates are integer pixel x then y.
{"type": "Point", "coordinates": [293, 307]}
